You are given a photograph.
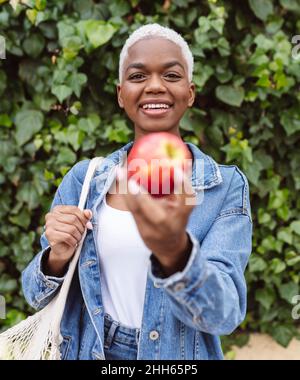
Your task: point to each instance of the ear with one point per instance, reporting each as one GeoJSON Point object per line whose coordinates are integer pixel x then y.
{"type": "Point", "coordinates": [192, 94]}
{"type": "Point", "coordinates": [120, 99]}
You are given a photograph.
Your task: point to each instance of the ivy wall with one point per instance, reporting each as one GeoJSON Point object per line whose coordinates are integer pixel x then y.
{"type": "Point", "coordinates": [58, 105]}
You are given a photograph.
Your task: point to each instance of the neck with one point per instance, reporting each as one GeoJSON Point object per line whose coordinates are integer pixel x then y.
{"type": "Point", "coordinates": [140, 133]}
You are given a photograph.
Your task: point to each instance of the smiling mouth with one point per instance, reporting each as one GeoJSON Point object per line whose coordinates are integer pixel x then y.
{"type": "Point", "coordinates": [156, 109]}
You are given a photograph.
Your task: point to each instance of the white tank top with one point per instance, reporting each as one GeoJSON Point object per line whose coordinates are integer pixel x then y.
{"type": "Point", "coordinates": [124, 260]}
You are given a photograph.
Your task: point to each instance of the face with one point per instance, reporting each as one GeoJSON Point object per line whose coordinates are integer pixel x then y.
{"type": "Point", "coordinates": [155, 90]}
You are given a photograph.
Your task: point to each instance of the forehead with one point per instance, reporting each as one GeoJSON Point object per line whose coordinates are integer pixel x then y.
{"type": "Point", "coordinates": [154, 50]}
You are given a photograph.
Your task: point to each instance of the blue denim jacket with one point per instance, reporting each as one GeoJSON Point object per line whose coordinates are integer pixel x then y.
{"type": "Point", "coordinates": [188, 310]}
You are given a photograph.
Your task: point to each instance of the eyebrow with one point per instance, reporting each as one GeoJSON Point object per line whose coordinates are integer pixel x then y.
{"type": "Point", "coordinates": [167, 65]}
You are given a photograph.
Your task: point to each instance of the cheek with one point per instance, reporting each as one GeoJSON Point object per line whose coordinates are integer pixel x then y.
{"type": "Point", "coordinates": [181, 94]}
{"type": "Point", "coordinates": [130, 97]}
{"type": "Point", "coordinates": [183, 99]}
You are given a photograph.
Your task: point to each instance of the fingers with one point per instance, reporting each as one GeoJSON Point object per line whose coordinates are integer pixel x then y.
{"type": "Point", "coordinates": [73, 215]}
{"type": "Point", "coordinates": [139, 201]}
{"type": "Point", "coordinates": [69, 229]}
{"type": "Point", "coordinates": [144, 204]}
{"type": "Point", "coordinates": [65, 225]}
{"type": "Point", "coordinates": [58, 237]}
{"type": "Point", "coordinates": [68, 220]}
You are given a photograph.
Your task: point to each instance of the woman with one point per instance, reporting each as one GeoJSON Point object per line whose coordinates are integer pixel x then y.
{"type": "Point", "coordinates": [156, 279]}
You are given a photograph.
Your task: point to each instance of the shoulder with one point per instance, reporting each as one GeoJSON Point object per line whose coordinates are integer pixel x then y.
{"type": "Point", "coordinates": [237, 197]}
{"type": "Point", "coordinates": [70, 187]}
{"type": "Point", "coordinates": [234, 175]}
{"type": "Point", "coordinates": [78, 171]}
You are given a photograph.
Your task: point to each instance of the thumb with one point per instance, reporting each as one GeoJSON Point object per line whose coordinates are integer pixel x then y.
{"type": "Point", "coordinates": [88, 213]}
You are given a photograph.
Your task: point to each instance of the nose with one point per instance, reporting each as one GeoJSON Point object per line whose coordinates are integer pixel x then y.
{"type": "Point", "coordinates": [155, 85]}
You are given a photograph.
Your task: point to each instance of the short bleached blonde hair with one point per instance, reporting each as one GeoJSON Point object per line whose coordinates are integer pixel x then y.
{"type": "Point", "coordinates": [156, 30]}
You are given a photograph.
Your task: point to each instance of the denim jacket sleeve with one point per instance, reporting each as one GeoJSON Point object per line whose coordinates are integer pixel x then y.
{"type": "Point", "coordinates": [210, 293]}
{"type": "Point", "coordinates": [38, 288]}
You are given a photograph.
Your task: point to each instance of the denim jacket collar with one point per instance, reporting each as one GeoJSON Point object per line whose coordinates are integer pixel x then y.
{"type": "Point", "coordinates": [205, 171]}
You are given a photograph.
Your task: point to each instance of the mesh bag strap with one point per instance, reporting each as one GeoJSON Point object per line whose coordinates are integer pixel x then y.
{"type": "Point", "coordinates": [62, 296]}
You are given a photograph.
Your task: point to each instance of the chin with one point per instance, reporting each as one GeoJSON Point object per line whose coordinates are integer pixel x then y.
{"type": "Point", "coordinates": [158, 127]}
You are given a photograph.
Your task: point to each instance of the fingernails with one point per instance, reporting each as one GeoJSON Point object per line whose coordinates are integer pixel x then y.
{"type": "Point", "coordinates": [89, 226]}
{"type": "Point", "coordinates": [88, 213]}
{"type": "Point", "coordinates": [133, 187]}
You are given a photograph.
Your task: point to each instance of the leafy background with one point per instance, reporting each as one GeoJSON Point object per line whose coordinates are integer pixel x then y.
{"type": "Point", "coordinates": [58, 105]}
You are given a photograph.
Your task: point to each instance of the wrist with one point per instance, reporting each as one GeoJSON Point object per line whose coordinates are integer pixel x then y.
{"type": "Point", "coordinates": [180, 257]}
{"type": "Point", "coordinates": [54, 265]}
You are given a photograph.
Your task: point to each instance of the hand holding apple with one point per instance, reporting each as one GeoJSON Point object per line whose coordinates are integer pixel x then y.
{"type": "Point", "coordinates": [162, 221]}
{"type": "Point", "coordinates": [153, 160]}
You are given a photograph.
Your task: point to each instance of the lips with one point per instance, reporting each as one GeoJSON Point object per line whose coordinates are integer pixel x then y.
{"type": "Point", "coordinates": [156, 108]}
{"type": "Point", "coordinates": [155, 112]}
{"type": "Point", "coordinates": [155, 102]}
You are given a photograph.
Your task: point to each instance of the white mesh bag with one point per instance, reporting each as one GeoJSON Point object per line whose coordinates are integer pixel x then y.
{"type": "Point", "coordinates": [38, 337]}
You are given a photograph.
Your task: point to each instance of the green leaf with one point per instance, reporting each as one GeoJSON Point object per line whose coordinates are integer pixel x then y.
{"type": "Point", "coordinates": [278, 198]}
{"type": "Point", "coordinates": [290, 120]}
{"type": "Point", "coordinates": [295, 226]}
{"type": "Point", "coordinates": [223, 47]}
{"type": "Point", "coordinates": [265, 297]}
{"type": "Point", "coordinates": [71, 47]}
{"type": "Point", "coordinates": [65, 30]}
{"type": "Point", "coordinates": [75, 137]}
{"type": "Point", "coordinates": [193, 121]}
{"type": "Point", "coordinates": [34, 45]}
{"type": "Point", "coordinates": [66, 156]}
{"type": "Point", "coordinates": [61, 92]}
{"type": "Point", "coordinates": [7, 284]}
{"type": "Point", "coordinates": [204, 24]}
{"type": "Point", "coordinates": [76, 82]}
{"type": "Point", "coordinates": [203, 76]}
{"type": "Point", "coordinates": [98, 32]}
{"type": "Point", "coordinates": [283, 212]}
{"type": "Point", "coordinates": [40, 4]}
{"type": "Point", "coordinates": [5, 121]}
{"type": "Point", "coordinates": [218, 25]}
{"type": "Point", "coordinates": [261, 8]}
{"type": "Point", "coordinates": [119, 8]}
{"type": "Point", "coordinates": [22, 219]}
{"type": "Point", "coordinates": [28, 194]}
{"type": "Point", "coordinates": [283, 335]}
{"type": "Point", "coordinates": [230, 95]}
{"type": "Point", "coordinates": [28, 122]}
{"type": "Point", "coordinates": [14, 317]}
{"type": "Point", "coordinates": [263, 42]}
{"type": "Point", "coordinates": [119, 132]}
{"type": "Point", "coordinates": [263, 217]}
{"type": "Point", "coordinates": [257, 264]}
{"type": "Point", "coordinates": [291, 5]}
{"type": "Point", "coordinates": [277, 265]}
{"type": "Point", "coordinates": [288, 291]}
{"type": "Point", "coordinates": [31, 14]}
{"type": "Point", "coordinates": [285, 235]}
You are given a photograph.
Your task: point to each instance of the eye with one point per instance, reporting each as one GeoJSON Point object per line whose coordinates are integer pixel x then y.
{"type": "Point", "coordinates": [173, 76]}
{"type": "Point", "coordinates": [136, 76]}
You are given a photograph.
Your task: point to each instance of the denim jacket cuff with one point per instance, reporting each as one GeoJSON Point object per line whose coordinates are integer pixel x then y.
{"type": "Point", "coordinates": [178, 281]}
{"type": "Point", "coordinates": [48, 282]}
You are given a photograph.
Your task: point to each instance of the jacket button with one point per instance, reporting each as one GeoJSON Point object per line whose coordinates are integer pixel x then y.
{"type": "Point", "coordinates": [156, 285]}
{"type": "Point", "coordinates": [178, 287]}
{"type": "Point", "coordinates": [154, 335]}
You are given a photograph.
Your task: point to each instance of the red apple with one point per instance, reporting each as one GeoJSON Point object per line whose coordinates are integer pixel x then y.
{"type": "Point", "coordinates": [153, 158]}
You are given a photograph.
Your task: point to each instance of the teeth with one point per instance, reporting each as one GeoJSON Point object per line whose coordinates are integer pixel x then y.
{"type": "Point", "coordinates": [145, 106]}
